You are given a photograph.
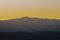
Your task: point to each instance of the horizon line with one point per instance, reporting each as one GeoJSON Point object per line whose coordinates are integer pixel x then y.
{"type": "Point", "coordinates": [30, 17]}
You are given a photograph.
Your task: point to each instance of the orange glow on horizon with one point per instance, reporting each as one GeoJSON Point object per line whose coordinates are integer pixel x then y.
{"type": "Point", "coordinates": [10, 9]}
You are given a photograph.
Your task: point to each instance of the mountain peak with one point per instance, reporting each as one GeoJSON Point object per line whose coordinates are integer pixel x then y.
{"type": "Point", "coordinates": [26, 17]}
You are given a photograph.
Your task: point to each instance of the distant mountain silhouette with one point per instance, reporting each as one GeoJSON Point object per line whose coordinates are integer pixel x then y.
{"type": "Point", "coordinates": [30, 24]}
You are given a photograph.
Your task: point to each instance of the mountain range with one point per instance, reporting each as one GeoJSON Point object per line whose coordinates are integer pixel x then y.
{"type": "Point", "coordinates": [30, 24]}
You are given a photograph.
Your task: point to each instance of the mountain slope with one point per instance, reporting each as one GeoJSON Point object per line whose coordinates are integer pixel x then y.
{"type": "Point", "coordinates": [30, 24]}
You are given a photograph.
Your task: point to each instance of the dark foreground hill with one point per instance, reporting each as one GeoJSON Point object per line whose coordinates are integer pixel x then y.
{"type": "Point", "coordinates": [41, 35]}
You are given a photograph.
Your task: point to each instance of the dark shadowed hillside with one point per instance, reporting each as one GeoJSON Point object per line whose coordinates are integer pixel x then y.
{"type": "Point", "coordinates": [40, 35]}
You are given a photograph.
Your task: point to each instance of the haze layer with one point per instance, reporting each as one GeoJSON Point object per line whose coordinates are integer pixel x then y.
{"type": "Point", "coordinates": [33, 8]}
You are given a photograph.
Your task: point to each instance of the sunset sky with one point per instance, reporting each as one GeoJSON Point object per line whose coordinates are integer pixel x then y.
{"type": "Point", "coordinates": [10, 9]}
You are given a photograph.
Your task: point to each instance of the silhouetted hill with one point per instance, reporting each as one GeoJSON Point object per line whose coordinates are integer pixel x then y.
{"type": "Point", "coordinates": [46, 35]}
{"type": "Point", "coordinates": [30, 24]}
{"type": "Point", "coordinates": [22, 35]}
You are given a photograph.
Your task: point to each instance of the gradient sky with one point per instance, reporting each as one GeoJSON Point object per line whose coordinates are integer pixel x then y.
{"type": "Point", "coordinates": [33, 8]}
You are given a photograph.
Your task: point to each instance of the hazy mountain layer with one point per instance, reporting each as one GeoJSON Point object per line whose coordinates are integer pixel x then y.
{"type": "Point", "coordinates": [30, 24]}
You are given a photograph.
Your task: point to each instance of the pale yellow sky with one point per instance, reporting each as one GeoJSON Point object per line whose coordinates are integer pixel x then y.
{"type": "Point", "coordinates": [33, 8]}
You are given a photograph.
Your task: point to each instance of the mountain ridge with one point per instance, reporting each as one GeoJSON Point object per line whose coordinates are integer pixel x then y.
{"type": "Point", "coordinates": [30, 24]}
{"type": "Point", "coordinates": [30, 17]}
